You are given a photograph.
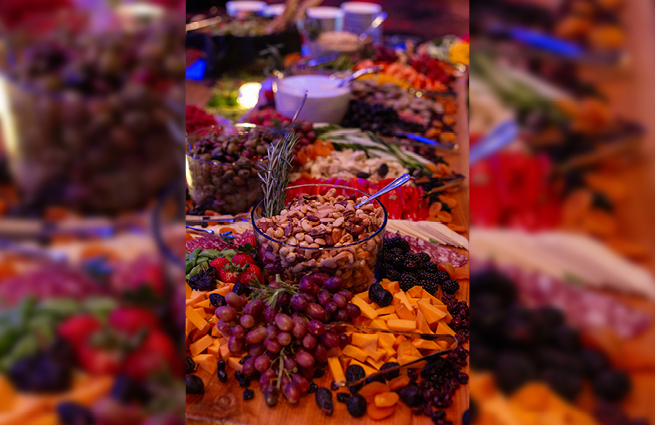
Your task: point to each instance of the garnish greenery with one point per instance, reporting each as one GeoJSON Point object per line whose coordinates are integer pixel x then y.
{"type": "Point", "coordinates": [276, 175]}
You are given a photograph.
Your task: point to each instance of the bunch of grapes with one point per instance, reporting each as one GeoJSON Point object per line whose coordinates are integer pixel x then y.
{"type": "Point", "coordinates": [285, 330]}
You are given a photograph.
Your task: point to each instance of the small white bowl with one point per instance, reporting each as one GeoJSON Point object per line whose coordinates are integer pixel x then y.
{"type": "Point", "coordinates": [236, 7]}
{"type": "Point", "coordinates": [325, 101]}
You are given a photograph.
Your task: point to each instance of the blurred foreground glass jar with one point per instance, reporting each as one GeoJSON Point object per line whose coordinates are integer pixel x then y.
{"type": "Point", "coordinates": [92, 111]}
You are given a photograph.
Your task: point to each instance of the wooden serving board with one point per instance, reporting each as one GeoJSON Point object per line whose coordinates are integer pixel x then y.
{"type": "Point", "coordinates": [223, 402]}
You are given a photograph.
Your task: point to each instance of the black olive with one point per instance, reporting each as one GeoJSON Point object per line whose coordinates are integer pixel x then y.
{"type": "Point", "coordinates": [194, 385]}
{"type": "Point", "coordinates": [189, 366]}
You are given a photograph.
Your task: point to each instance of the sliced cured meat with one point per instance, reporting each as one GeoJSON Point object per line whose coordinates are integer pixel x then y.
{"type": "Point", "coordinates": [218, 242]}
{"type": "Point", "coordinates": [438, 254]}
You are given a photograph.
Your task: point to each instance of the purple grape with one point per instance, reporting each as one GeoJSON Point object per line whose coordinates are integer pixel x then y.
{"type": "Point", "coordinates": [269, 314]}
{"type": "Point", "coordinates": [271, 395]}
{"type": "Point", "coordinates": [306, 284]}
{"type": "Point", "coordinates": [234, 345]}
{"type": "Point", "coordinates": [329, 339]}
{"type": "Point", "coordinates": [267, 378]}
{"type": "Point", "coordinates": [292, 393]}
{"type": "Point", "coordinates": [316, 327]}
{"type": "Point", "coordinates": [262, 363]}
{"type": "Point", "coordinates": [340, 316]}
{"type": "Point", "coordinates": [256, 335]}
{"type": "Point", "coordinates": [323, 297]}
{"type": "Point", "coordinates": [333, 284]}
{"type": "Point", "coordinates": [284, 322]}
{"type": "Point", "coordinates": [304, 359]}
{"type": "Point", "coordinates": [272, 345]}
{"type": "Point", "coordinates": [226, 313]}
{"type": "Point", "coordinates": [284, 338]}
{"type": "Point", "coordinates": [299, 327]}
{"type": "Point", "coordinates": [301, 382]}
{"type": "Point", "coordinates": [254, 307]}
{"type": "Point", "coordinates": [289, 363]}
{"type": "Point", "coordinates": [315, 311]}
{"type": "Point", "coordinates": [346, 294]}
{"type": "Point", "coordinates": [352, 310]}
{"type": "Point", "coordinates": [331, 307]}
{"type": "Point", "coordinates": [256, 350]}
{"type": "Point", "coordinates": [271, 332]}
{"type": "Point", "coordinates": [343, 340]}
{"type": "Point", "coordinates": [238, 332]}
{"type": "Point", "coordinates": [283, 299]}
{"type": "Point", "coordinates": [319, 278]}
{"type": "Point", "coordinates": [320, 353]}
{"type": "Point", "coordinates": [233, 299]}
{"type": "Point", "coordinates": [309, 341]}
{"type": "Point", "coordinates": [248, 368]}
{"type": "Point", "coordinates": [339, 300]}
{"type": "Point", "coordinates": [223, 327]}
{"type": "Point", "coordinates": [247, 321]}
{"type": "Point", "coordinates": [298, 302]}
{"type": "Point", "coordinates": [284, 381]}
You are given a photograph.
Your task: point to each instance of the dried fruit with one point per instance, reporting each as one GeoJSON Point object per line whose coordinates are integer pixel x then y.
{"type": "Point", "coordinates": [356, 405]}
{"type": "Point", "coordinates": [324, 401]}
{"type": "Point", "coordinates": [194, 385]}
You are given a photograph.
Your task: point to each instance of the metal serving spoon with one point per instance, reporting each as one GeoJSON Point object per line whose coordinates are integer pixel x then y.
{"type": "Point", "coordinates": [376, 23]}
{"type": "Point", "coordinates": [359, 73]}
{"type": "Point", "coordinates": [391, 186]}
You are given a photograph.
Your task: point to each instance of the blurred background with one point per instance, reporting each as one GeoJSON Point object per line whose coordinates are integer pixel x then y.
{"type": "Point", "coordinates": [92, 131]}
{"type": "Point", "coordinates": [562, 240]}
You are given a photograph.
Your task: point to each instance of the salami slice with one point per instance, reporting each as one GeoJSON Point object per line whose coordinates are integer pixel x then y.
{"type": "Point", "coordinates": [438, 253]}
{"type": "Point", "coordinates": [218, 242]}
{"type": "Point", "coordinates": [49, 282]}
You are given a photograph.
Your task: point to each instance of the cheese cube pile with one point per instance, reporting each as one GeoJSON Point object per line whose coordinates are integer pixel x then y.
{"type": "Point", "coordinates": [415, 311]}
{"type": "Point", "coordinates": [204, 343]}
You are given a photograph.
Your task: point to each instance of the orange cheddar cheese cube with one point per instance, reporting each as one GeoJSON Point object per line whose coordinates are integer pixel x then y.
{"type": "Point", "coordinates": [423, 344]}
{"type": "Point", "coordinates": [386, 310]}
{"type": "Point", "coordinates": [188, 291]}
{"type": "Point", "coordinates": [234, 363]}
{"type": "Point", "coordinates": [405, 313]}
{"type": "Point", "coordinates": [367, 311]}
{"type": "Point", "coordinates": [379, 323]}
{"type": "Point", "coordinates": [367, 369]}
{"type": "Point", "coordinates": [431, 313]}
{"type": "Point", "coordinates": [214, 349]}
{"type": "Point", "coordinates": [191, 302]}
{"type": "Point", "coordinates": [377, 364]}
{"type": "Point", "coordinates": [388, 317]}
{"type": "Point", "coordinates": [443, 328]}
{"type": "Point", "coordinates": [207, 362]}
{"type": "Point", "coordinates": [403, 299]}
{"type": "Point", "coordinates": [415, 292]}
{"type": "Point", "coordinates": [335, 368]}
{"type": "Point", "coordinates": [200, 345]}
{"type": "Point", "coordinates": [197, 320]}
{"type": "Point", "coordinates": [387, 339]}
{"type": "Point", "coordinates": [422, 324]}
{"type": "Point", "coordinates": [354, 352]}
{"type": "Point", "coordinates": [364, 296]}
{"type": "Point", "coordinates": [401, 325]}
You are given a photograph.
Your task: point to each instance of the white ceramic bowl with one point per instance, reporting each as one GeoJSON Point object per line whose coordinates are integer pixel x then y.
{"type": "Point", "coordinates": [236, 7]}
{"type": "Point", "coordinates": [325, 102]}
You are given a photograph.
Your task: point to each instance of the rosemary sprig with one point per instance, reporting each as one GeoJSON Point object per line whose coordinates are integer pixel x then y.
{"type": "Point", "coordinates": [276, 175]}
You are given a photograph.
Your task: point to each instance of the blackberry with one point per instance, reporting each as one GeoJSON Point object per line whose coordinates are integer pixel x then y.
{"type": "Point", "coordinates": [217, 300]}
{"type": "Point", "coordinates": [430, 285]}
{"type": "Point", "coordinates": [393, 275]}
{"type": "Point", "coordinates": [564, 382]}
{"type": "Point", "coordinates": [431, 267]}
{"type": "Point", "coordinates": [248, 394]}
{"type": "Point", "coordinates": [204, 281]}
{"type": "Point", "coordinates": [512, 371]}
{"type": "Point", "coordinates": [450, 287]}
{"type": "Point", "coordinates": [398, 242]}
{"type": "Point", "coordinates": [407, 282]}
{"type": "Point", "coordinates": [441, 276]}
{"type": "Point", "coordinates": [397, 258]}
{"type": "Point", "coordinates": [424, 257]}
{"type": "Point", "coordinates": [411, 262]}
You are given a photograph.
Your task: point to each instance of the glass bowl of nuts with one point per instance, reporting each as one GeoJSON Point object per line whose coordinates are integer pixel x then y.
{"type": "Point", "coordinates": [321, 231]}
{"type": "Point", "coordinates": [223, 166]}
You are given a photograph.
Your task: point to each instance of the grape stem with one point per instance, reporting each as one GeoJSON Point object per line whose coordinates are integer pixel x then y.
{"type": "Point", "coordinates": [281, 371]}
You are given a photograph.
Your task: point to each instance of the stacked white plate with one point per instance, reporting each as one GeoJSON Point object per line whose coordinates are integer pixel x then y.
{"type": "Point", "coordinates": [359, 15]}
{"type": "Point", "coordinates": [244, 7]}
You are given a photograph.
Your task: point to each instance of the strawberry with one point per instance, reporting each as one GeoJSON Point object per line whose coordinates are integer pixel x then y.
{"type": "Point", "coordinates": [242, 260]}
{"type": "Point", "coordinates": [219, 263]}
{"type": "Point", "coordinates": [98, 361]}
{"type": "Point", "coordinates": [131, 319]}
{"type": "Point", "coordinates": [230, 275]}
{"type": "Point", "coordinates": [78, 329]}
{"type": "Point", "coordinates": [251, 273]}
{"type": "Point", "coordinates": [250, 239]}
{"type": "Point", "coordinates": [157, 353]}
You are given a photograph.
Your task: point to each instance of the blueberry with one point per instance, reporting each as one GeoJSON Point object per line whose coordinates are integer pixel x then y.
{"type": "Point", "coordinates": [217, 300]}
{"type": "Point", "coordinates": [248, 394]}
{"type": "Point", "coordinates": [312, 387]}
{"type": "Point", "coordinates": [244, 382]}
{"type": "Point", "coordinates": [342, 397]}
{"type": "Point", "coordinates": [318, 373]}
{"type": "Point", "coordinates": [393, 374]}
{"type": "Point", "coordinates": [243, 360]}
{"type": "Point", "coordinates": [222, 376]}
{"type": "Point", "coordinates": [70, 413]}
{"type": "Point", "coordinates": [189, 366]}
{"type": "Point", "coordinates": [220, 365]}
{"type": "Point", "coordinates": [238, 375]}
{"type": "Point", "coordinates": [356, 406]}
{"type": "Point", "coordinates": [194, 385]}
